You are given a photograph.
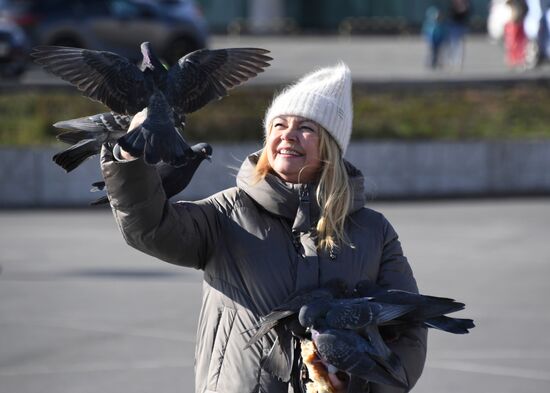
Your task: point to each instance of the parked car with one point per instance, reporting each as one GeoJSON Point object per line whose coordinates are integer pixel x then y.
{"type": "Point", "coordinates": [14, 47]}
{"type": "Point", "coordinates": [173, 27]}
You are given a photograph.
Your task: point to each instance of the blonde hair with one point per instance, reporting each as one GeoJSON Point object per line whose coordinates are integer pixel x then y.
{"type": "Point", "coordinates": [333, 192]}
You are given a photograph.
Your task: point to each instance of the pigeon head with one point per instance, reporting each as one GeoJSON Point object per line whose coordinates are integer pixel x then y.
{"type": "Point", "coordinates": [336, 286]}
{"type": "Point", "coordinates": [313, 314]}
{"type": "Point", "coordinates": [365, 288]}
{"type": "Point", "coordinates": [203, 150]}
{"type": "Point", "coordinates": [150, 60]}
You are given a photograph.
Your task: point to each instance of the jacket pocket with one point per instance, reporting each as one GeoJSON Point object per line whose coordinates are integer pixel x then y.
{"type": "Point", "coordinates": [223, 334]}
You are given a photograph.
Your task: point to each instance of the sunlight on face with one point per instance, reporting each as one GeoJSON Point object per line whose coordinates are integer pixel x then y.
{"type": "Point", "coordinates": [293, 148]}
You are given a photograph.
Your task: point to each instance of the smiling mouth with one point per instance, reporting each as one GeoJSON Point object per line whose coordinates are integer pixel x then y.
{"type": "Point", "coordinates": [289, 152]}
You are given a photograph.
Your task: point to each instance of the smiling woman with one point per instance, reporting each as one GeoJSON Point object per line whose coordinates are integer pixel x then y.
{"type": "Point", "coordinates": [295, 221]}
{"type": "Point", "coordinates": [292, 148]}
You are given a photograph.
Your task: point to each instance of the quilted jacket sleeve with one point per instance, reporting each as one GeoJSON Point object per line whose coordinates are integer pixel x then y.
{"type": "Point", "coordinates": [183, 233]}
{"type": "Point", "coordinates": [395, 272]}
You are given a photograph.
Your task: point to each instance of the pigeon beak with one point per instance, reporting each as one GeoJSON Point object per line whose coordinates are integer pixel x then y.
{"type": "Point", "coordinates": [207, 156]}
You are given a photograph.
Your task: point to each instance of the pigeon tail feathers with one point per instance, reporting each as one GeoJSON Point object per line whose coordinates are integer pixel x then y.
{"type": "Point", "coordinates": [451, 325]}
{"type": "Point", "coordinates": [75, 155]}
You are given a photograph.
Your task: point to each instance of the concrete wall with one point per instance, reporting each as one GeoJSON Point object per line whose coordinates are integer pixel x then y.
{"type": "Point", "coordinates": [29, 178]}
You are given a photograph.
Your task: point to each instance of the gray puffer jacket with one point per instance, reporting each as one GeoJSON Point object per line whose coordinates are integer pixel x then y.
{"type": "Point", "coordinates": [254, 243]}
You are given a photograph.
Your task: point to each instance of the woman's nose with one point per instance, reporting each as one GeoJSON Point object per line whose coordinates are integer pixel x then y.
{"type": "Point", "coordinates": [289, 134]}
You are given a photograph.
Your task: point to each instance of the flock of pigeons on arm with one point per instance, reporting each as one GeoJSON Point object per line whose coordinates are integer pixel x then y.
{"type": "Point", "coordinates": [348, 329]}
{"type": "Point", "coordinates": [167, 95]}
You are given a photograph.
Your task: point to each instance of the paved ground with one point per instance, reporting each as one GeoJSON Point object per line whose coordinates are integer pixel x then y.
{"type": "Point", "coordinates": [378, 59]}
{"type": "Point", "coordinates": [81, 312]}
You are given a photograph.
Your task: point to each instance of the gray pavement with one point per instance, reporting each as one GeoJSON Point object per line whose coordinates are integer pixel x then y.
{"type": "Point", "coordinates": [82, 312]}
{"type": "Point", "coordinates": [372, 59]}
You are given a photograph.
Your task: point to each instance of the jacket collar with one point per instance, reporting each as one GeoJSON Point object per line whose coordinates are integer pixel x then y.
{"type": "Point", "coordinates": [295, 202]}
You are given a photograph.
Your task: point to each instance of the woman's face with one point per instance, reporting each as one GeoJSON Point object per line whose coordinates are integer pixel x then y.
{"type": "Point", "coordinates": [293, 149]}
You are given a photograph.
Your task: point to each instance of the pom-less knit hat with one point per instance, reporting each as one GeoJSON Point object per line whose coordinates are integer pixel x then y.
{"type": "Point", "coordinates": [323, 96]}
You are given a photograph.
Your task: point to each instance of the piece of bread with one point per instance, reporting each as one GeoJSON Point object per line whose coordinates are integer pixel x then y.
{"type": "Point", "coordinates": [317, 371]}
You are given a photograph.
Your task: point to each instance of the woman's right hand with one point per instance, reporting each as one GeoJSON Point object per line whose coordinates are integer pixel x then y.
{"type": "Point", "coordinates": [137, 120]}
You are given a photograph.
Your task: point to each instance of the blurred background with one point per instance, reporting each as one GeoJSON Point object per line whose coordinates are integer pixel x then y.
{"type": "Point", "coordinates": [451, 130]}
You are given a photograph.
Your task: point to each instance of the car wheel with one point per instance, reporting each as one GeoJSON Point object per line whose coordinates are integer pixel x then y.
{"type": "Point", "coordinates": [179, 48]}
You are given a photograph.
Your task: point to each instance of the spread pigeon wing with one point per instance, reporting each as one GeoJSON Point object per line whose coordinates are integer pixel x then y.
{"type": "Point", "coordinates": [102, 76]}
{"type": "Point", "coordinates": [205, 75]}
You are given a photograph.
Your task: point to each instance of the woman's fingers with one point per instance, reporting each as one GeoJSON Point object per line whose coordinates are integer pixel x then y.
{"type": "Point", "coordinates": [138, 119]}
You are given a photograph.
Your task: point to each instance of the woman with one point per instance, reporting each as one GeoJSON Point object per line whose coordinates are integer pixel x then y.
{"type": "Point", "coordinates": [294, 221]}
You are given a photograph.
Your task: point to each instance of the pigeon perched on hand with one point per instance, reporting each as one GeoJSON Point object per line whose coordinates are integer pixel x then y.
{"type": "Point", "coordinates": [197, 79]}
{"type": "Point", "coordinates": [174, 179]}
{"type": "Point", "coordinates": [88, 134]}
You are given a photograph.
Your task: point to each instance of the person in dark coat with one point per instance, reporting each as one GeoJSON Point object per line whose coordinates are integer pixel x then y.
{"type": "Point", "coordinates": [458, 19]}
{"type": "Point", "coordinates": [295, 220]}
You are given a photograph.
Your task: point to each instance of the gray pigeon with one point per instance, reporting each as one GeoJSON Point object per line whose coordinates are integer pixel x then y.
{"type": "Point", "coordinates": [359, 316]}
{"type": "Point", "coordinates": [353, 330]}
{"type": "Point", "coordinates": [344, 350]}
{"type": "Point", "coordinates": [88, 134]}
{"type": "Point", "coordinates": [197, 79]}
{"type": "Point", "coordinates": [428, 311]}
{"type": "Point", "coordinates": [174, 179]}
{"type": "Point", "coordinates": [289, 310]}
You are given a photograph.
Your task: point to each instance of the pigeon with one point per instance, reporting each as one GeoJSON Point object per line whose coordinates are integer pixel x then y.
{"type": "Point", "coordinates": [157, 138]}
{"type": "Point", "coordinates": [429, 311]}
{"type": "Point", "coordinates": [288, 311]}
{"type": "Point", "coordinates": [280, 359]}
{"type": "Point", "coordinates": [354, 313]}
{"type": "Point", "coordinates": [359, 316]}
{"type": "Point", "coordinates": [344, 350]}
{"type": "Point", "coordinates": [88, 134]}
{"type": "Point", "coordinates": [174, 179]}
{"type": "Point", "coordinates": [349, 330]}
{"type": "Point", "coordinates": [195, 80]}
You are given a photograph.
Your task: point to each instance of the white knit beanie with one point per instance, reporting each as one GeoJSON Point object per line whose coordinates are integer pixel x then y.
{"type": "Point", "coordinates": [323, 96]}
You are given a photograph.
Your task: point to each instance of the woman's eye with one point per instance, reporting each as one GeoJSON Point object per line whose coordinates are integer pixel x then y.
{"type": "Point", "coordinates": [278, 125]}
{"type": "Point", "coordinates": [308, 128]}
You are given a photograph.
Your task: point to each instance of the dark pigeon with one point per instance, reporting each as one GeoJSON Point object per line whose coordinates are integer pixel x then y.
{"type": "Point", "coordinates": [281, 359]}
{"type": "Point", "coordinates": [354, 313]}
{"type": "Point", "coordinates": [157, 138]}
{"type": "Point", "coordinates": [88, 134]}
{"type": "Point", "coordinates": [428, 311]}
{"type": "Point", "coordinates": [289, 310]}
{"type": "Point", "coordinates": [358, 322]}
{"type": "Point", "coordinates": [174, 179]}
{"type": "Point", "coordinates": [197, 79]}
{"type": "Point", "coordinates": [359, 316]}
{"type": "Point", "coordinates": [344, 350]}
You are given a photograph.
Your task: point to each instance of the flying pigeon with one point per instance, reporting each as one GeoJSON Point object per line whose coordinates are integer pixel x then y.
{"type": "Point", "coordinates": [174, 179]}
{"type": "Point", "coordinates": [195, 80]}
